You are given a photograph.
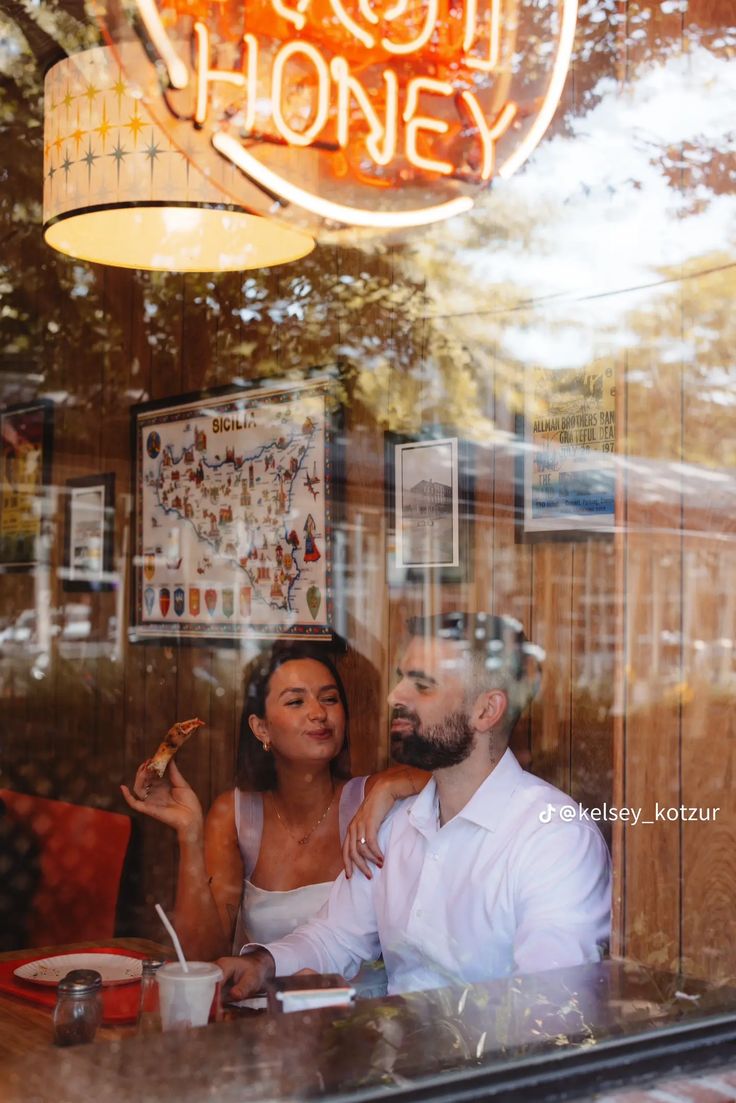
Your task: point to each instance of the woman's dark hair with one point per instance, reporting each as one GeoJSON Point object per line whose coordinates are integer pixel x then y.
{"type": "Point", "coordinates": [256, 771]}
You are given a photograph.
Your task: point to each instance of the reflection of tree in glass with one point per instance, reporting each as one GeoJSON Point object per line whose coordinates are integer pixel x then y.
{"type": "Point", "coordinates": [631, 186]}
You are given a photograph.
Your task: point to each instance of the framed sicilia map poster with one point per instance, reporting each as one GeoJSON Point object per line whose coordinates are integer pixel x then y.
{"type": "Point", "coordinates": [233, 514]}
{"type": "Point", "coordinates": [566, 479]}
{"type": "Point", "coordinates": [25, 465]}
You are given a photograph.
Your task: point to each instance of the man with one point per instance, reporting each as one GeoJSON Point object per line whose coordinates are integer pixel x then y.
{"type": "Point", "coordinates": [482, 877]}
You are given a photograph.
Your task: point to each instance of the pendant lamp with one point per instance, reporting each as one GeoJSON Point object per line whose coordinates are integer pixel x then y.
{"type": "Point", "coordinates": [116, 190]}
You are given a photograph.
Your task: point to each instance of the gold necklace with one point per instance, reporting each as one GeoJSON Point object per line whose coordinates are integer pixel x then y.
{"type": "Point", "coordinates": [305, 838]}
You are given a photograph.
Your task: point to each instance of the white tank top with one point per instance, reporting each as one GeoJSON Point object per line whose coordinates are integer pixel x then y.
{"type": "Point", "coordinates": [266, 915]}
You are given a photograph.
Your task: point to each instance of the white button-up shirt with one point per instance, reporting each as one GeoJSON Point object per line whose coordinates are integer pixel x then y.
{"type": "Point", "coordinates": [493, 892]}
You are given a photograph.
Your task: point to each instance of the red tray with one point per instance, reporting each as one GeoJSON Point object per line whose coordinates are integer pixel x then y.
{"type": "Point", "coordinates": [119, 1002]}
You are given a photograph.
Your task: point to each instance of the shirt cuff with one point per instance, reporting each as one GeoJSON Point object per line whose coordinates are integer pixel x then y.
{"type": "Point", "coordinates": [286, 961]}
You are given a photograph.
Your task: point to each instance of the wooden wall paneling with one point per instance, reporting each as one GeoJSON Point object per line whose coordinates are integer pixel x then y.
{"type": "Point", "coordinates": [228, 353]}
{"type": "Point", "coordinates": [301, 346]}
{"type": "Point", "coordinates": [100, 605]}
{"type": "Point", "coordinates": [370, 622]}
{"type": "Point", "coordinates": [709, 597]}
{"type": "Point", "coordinates": [261, 332]}
{"type": "Point", "coordinates": [359, 609]}
{"type": "Point", "coordinates": [33, 704]}
{"type": "Point", "coordinates": [592, 673]}
{"type": "Point", "coordinates": [150, 693]}
{"type": "Point", "coordinates": [512, 561]}
{"type": "Point", "coordinates": [18, 589]}
{"type": "Point", "coordinates": [709, 760]}
{"type": "Point", "coordinates": [619, 680]}
{"type": "Point", "coordinates": [46, 731]}
{"type": "Point", "coordinates": [387, 622]}
{"type": "Point", "coordinates": [483, 455]}
{"type": "Point", "coordinates": [406, 598]}
{"type": "Point", "coordinates": [107, 735]}
{"type": "Point", "coordinates": [553, 629]}
{"type": "Point", "coordinates": [663, 27]}
{"type": "Point", "coordinates": [226, 664]}
{"type": "Point", "coordinates": [598, 52]}
{"type": "Point", "coordinates": [708, 630]}
{"type": "Point", "coordinates": [364, 683]}
{"type": "Point", "coordinates": [41, 590]}
{"type": "Point", "coordinates": [17, 767]}
{"type": "Point", "coordinates": [195, 367]}
{"type": "Point", "coordinates": [235, 348]}
{"type": "Point", "coordinates": [42, 699]}
{"type": "Point", "coordinates": [305, 344]}
{"type": "Point", "coordinates": [136, 373]}
{"type": "Point", "coordinates": [225, 705]}
{"type": "Point", "coordinates": [115, 457]}
{"type": "Point", "coordinates": [434, 595]}
{"type": "Point", "coordinates": [560, 612]}
{"type": "Point", "coordinates": [77, 451]}
{"type": "Point", "coordinates": [21, 707]}
{"type": "Point", "coordinates": [653, 572]}
{"type": "Point", "coordinates": [653, 851]}
{"type": "Point", "coordinates": [196, 684]}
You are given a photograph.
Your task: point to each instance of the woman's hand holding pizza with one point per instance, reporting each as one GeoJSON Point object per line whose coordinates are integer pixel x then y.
{"type": "Point", "coordinates": [169, 799]}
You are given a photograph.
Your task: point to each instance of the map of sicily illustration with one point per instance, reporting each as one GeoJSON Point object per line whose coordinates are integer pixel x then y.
{"type": "Point", "coordinates": [233, 517]}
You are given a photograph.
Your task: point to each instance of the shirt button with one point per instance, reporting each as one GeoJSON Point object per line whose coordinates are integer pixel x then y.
{"type": "Point", "coordinates": [435, 857]}
{"type": "Point", "coordinates": [418, 913]}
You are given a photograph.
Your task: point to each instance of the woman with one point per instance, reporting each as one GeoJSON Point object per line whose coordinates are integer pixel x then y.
{"type": "Point", "coordinates": [266, 855]}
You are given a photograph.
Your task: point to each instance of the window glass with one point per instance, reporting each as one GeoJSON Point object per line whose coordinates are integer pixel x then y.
{"type": "Point", "coordinates": [480, 473]}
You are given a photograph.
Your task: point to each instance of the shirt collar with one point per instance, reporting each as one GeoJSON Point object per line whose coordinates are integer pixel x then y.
{"type": "Point", "coordinates": [424, 812]}
{"type": "Point", "coordinates": [488, 803]}
{"type": "Point", "coordinates": [486, 806]}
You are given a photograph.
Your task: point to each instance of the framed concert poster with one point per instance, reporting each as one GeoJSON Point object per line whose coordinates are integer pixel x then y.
{"type": "Point", "coordinates": [566, 476]}
{"type": "Point", "coordinates": [25, 468]}
{"type": "Point", "coordinates": [234, 513]}
{"type": "Point", "coordinates": [89, 533]}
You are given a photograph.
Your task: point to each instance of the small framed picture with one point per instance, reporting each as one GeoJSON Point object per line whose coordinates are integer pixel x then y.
{"type": "Point", "coordinates": [89, 533]}
{"type": "Point", "coordinates": [566, 472]}
{"type": "Point", "coordinates": [430, 507]}
{"type": "Point", "coordinates": [26, 433]}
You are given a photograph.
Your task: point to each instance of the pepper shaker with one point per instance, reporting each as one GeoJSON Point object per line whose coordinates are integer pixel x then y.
{"type": "Point", "coordinates": [149, 1015]}
{"type": "Point", "coordinates": [78, 1010]}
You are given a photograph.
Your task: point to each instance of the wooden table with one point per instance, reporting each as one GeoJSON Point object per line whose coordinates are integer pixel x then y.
{"type": "Point", "coordinates": [25, 1027]}
{"type": "Point", "coordinates": [371, 1047]}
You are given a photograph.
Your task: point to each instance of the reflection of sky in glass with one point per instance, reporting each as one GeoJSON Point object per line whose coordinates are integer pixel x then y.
{"type": "Point", "coordinates": [429, 462]}
{"type": "Point", "coordinates": [621, 201]}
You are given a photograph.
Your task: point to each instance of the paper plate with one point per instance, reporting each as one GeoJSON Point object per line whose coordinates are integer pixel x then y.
{"type": "Point", "coordinates": [113, 968]}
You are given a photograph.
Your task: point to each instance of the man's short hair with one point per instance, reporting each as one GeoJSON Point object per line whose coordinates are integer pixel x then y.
{"type": "Point", "coordinates": [499, 653]}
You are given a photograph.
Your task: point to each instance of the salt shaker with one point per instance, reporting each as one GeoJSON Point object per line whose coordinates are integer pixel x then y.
{"type": "Point", "coordinates": [149, 1015]}
{"type": "Point", "coordinates": [78, 1010]}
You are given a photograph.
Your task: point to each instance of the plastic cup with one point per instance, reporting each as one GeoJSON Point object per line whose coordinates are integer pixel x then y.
{"type": "Point", "coordinates": [186, 998]}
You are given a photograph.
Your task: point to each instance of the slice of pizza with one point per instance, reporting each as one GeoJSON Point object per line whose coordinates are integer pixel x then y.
{"type": "Point", "coordinates": [176, 737]}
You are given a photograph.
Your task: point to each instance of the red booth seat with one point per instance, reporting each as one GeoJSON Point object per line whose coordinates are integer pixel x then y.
{"type": "Point", "coordinates": [80, 854]}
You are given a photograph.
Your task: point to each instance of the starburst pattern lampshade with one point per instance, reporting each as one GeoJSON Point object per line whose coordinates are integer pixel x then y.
{"type": "Point", "coordinates": [116, 191]}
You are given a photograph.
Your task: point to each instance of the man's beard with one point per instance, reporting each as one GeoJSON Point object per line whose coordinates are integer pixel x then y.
{"type": "Point", "coordinates": [437, 748]}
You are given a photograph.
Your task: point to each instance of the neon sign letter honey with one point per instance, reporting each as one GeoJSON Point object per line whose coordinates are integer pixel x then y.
{"type": "Point", "coordinates": [366, 115]}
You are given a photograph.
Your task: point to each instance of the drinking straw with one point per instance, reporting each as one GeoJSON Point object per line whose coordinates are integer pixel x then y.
{"type": "Point", "coordinates": [174, 937]}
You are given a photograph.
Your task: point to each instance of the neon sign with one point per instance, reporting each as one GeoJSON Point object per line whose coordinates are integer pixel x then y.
{"type": "Point", "coordinates": [362, 113]}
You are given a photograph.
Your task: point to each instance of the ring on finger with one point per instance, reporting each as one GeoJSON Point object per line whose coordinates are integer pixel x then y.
{"type": "Point", "coordinates": [361, 840]}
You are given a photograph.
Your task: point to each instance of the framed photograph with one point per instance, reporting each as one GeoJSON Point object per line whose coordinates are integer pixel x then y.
{"type": "Point", "coordinates": [566, 479]}
{"type": "Point", "coordinates": [89, 533]}
{"type": "Point", "coordinates": [234, 512]}
{"type": "Point", "coordinates": [25, 469]}
{"type": "Point", "coordinates": [430, 507]}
